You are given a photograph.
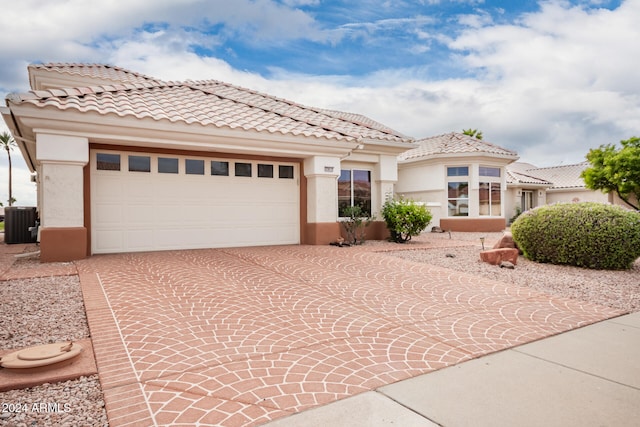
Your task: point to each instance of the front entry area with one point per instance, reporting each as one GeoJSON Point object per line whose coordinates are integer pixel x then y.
{"type": "Point", "coordinates": [151, 201]}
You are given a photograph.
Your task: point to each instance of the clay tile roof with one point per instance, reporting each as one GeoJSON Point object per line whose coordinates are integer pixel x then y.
{"type": "Point", "coordinates": [206, 103]}
{"type": "Point", "coordinates": [352, 125]}
{"type": "Point", "coordinates": [97, 71]}
{"type": "Point", "coordinates": [567, 176]}
{"type": "Point", "coordinates": [452, 144]}
{"type": "Point", "coordinates": [516, 177]}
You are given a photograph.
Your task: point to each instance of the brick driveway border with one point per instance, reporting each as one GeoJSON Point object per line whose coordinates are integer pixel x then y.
{"type": "Point", "coordinates": [243, 336]}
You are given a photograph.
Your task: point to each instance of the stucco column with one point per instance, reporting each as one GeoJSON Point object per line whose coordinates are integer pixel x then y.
{"type": "Point", "coordinates": [385, 174]}
{"type": "Point", "coordinates": [63, 235]}
{"type": "Point", "coordinates": [322, 199]}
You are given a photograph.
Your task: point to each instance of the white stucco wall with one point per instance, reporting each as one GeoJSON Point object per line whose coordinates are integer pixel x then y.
{"type": "Point", "coordinates": [576, 195]}
{"type": "Point", "coordinates": [62, 206]}
{"type": "Point", "coordinates": [61, 191]}
{"type": "Point", "coordinates": [322, 188]}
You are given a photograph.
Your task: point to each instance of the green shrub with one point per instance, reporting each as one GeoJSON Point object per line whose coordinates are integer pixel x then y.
{"type": "Point", "coordinates": [405, 218]}
{"type": "Point", "coordinates": [591, 235]}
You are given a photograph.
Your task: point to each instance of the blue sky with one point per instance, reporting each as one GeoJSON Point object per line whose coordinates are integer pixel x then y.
{"type": "Point", "coordinates": [549, 79]}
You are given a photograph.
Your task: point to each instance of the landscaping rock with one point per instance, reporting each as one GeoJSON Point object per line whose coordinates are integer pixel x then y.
{"type": "Point", "coordinates": [496, 256]}
{"type": "Point", "coordinates": [506, 241]}
{"type": "Point", "coordinates": [507, 264]}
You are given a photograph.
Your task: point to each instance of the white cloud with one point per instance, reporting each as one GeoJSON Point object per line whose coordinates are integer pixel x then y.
{"type": "Point", "coordinates": [297, 3]}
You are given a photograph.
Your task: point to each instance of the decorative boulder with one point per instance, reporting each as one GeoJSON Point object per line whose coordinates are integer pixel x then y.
{"type": "Point", "coordinates": [496, 256]}
{"type": "Point", "coordinates": [506, 241]}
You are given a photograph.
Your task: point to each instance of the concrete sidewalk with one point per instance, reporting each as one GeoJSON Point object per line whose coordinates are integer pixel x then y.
{"type": "Point", "coordinates": [585, 377]}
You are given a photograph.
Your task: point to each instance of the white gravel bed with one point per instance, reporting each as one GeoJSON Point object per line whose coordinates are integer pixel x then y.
{"type": "Point", "coordinates": [41, 311]}
{"type": "Point", "coordinates": [617, 289]}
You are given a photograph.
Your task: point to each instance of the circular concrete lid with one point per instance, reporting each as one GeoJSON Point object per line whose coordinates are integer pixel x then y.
{"type": "Point", "coordinates": [42, 355]}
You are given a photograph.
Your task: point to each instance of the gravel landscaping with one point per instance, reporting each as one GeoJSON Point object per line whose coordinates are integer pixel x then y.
{"type": "Point", "coordinates": [50, 309]}
{"type": "Point", "coordinates": [42, 311]}
{"type": "Point", "coordinates": [617, 289]}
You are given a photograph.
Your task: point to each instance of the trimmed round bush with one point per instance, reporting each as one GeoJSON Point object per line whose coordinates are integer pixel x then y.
{"type": "Point", "coordinates": [591, 235]}
{"type": "Point", "coordinates": [405, 218]}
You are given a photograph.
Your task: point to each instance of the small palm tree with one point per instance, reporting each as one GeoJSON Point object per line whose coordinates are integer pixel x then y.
{"type": "Point", "coordinates": [7, 141]}
{"type": "Point", "coordinates": [474, 133]}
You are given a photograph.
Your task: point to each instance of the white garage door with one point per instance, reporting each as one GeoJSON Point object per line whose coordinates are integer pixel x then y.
{"type": "Point", "coordinates": [147, 202]}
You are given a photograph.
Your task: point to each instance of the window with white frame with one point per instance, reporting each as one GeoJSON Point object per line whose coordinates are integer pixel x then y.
{"type": "Point", "coordinates": [490, 195]}
{"type": "Point", "coordinates": [458, 190]}
{"type": "Point", "coordinates": [354, 189]}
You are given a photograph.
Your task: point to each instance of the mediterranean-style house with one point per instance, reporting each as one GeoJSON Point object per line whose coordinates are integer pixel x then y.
{"type": "Point", "coordinates": [563, 185]}
{"type": "Point", "coordinates": [127, 162]}
{"type": "Point", "coordinates": [462, 180]}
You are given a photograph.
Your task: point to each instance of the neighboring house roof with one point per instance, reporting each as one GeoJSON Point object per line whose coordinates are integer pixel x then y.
{"type": "Point", "coordinates": [207, 103]}
{"type": "Point", "coordinates": [521, 166]}
{"type": "Point", "coordinates": [518, 178]}
{"type": "Point", "coordinates": [562, 177]}
{"type": "Point", "coordinates": [452, 144]}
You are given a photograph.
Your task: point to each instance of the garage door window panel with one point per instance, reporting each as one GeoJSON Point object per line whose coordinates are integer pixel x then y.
{"type": "Point", "coordinates": [243, 169]}
{"type": "Point", "coordinates": [108, 162]}
{"type": "Point", "coordinates": [219, 168]}
{"type": "Point", "coordinates": [265, 171]}
{"type": "Point", "coordinates": [194, 167]}
{"type": "Point", "coordinates": [285, 172]}
{"type": "Point", "coordinates": [139, 164]}
{"type": "Point", "coordinates": [167, 165]}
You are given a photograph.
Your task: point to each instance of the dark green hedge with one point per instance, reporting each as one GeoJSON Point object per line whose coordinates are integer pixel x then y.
{"type": "Point", "coordinates": [591, 235]}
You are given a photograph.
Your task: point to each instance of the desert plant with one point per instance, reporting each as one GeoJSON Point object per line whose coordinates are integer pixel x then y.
{"type": "Point", "coordinates": [516, 214]}
{"type": "Point", "coordinates": [354, 224]}
{"type": "Point", "coordinates": [591, 235]}
{"type": "Point", "coordinates": [405, 218]}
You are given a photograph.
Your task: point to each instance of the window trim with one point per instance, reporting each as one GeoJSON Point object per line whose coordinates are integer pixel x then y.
{"type": "Point", "coordinates": [485, 169]}
{"type": "Point", "coordinates": [352, 189]}
{"type": "Point", "coordinates": [453, 175]}
{"type": "Point", "coordinates": [489, 200]}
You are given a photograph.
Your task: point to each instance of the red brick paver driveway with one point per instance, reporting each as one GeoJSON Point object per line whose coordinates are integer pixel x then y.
{"type": "Point", "coordinates": [243, 336]}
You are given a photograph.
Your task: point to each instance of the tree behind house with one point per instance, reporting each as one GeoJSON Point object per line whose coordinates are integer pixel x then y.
{"type": "Point", "coordinates": [7, 141]}
{"type": "Point", "coordinates": [616, 170]}
{"type": "Point", "coordinates": [474, 133]}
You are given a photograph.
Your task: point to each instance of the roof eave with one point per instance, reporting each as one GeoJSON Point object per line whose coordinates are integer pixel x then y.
{"type": "Point", "coordinates": [385, 147]}
{"type": "Point", "coordinates": [25, 145]}
{"type": "Point", "coordinates": [177, 135]}
{"type": "Point", "coordinates": [442, 156]}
